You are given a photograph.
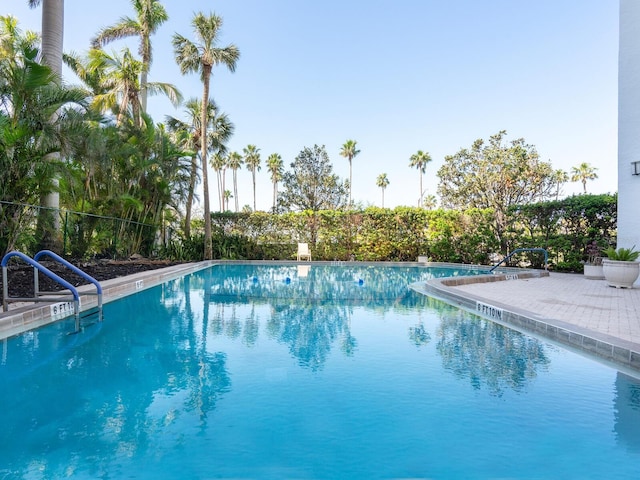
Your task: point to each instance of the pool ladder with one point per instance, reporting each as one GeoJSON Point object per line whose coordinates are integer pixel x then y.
{"type": "Point", "coordinates": [51, 297]}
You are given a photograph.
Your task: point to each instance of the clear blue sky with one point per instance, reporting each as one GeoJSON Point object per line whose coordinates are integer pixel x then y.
{"type": "Point", "coordinates": [397, 76]}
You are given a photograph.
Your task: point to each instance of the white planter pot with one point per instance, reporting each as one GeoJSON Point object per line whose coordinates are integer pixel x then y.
{"type": "Point", "coordinates": [594, 272]}
{"type": "Point", "coordinates": [620, 274]}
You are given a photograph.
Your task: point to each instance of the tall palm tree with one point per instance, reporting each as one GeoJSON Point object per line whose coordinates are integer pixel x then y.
{"type": "Point", "coordinates": [235, 161]}
{"type": "Point", "coordinates": [349, 151]}
{"type": "Point", "coordinates": [187, 134]}
{"type": "Point", "coordinates": [275, 166]}
{"type": "Point", "coordinates": [52, 42]}
{"type": "Point", "coordinates": [202, 57]}
{"type": "Point", "coordinates": [383, 182]}
{"type": "Point", "coordinates": [419, 160]}
{"type": "Point", "coordinates": [150, 15]}
{"type": "Point", "coordinates": [219, 165]}
{"type": "Point", "coordinates": [582, 173]}
{"type": "Point", "coordinates": [252, 161]}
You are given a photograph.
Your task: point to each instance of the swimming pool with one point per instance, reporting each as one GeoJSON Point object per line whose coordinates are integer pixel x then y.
{"type": "Point", "coordinates": [243, 371]}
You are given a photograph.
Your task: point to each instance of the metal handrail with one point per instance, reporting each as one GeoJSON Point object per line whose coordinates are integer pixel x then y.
{"type": "Point", "coordinates": [518, 250]}
{"type": "Point", "coordinates": [5, 285]}
{"type": "Point", "coordinates": [75, 270]}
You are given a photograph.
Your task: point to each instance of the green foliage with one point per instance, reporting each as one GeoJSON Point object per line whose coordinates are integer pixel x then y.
{"type": "Point", "coordinates": [622, 254]}
{"type": "Point", "coordinates": [498, 176]}
{"type": "Point", "coordinates": [311, 183]}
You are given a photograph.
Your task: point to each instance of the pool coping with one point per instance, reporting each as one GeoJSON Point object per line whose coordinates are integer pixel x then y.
{"type": "Point", "coordinates": [613, 350]}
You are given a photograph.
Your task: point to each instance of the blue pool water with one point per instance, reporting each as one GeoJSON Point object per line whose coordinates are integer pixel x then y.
{"type": "Point", "coordinates": [245, 371]}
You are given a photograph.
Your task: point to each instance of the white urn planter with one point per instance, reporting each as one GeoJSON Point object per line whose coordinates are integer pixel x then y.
{"type": "Point", "coordinates": [620, 274]}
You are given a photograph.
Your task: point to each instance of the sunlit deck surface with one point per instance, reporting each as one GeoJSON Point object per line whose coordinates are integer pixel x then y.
{"type": "Point", "coordinates": [585, 315]}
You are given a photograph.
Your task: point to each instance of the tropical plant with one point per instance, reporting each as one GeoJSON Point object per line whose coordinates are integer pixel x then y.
{"type": "Point", "coordinates": [202, 57]}
{"type": "Point", "coordinates": [150, 15]}
{"type": "Point", "coordinates": [349, 151]}
{"type": "Point", "coordinates": [622, 254]}
{"type": "Point", "coordinates": [119, 80]}
{"type": "Point", "coordinates": [419, 160]}
{"type": "Point", "coordinates": [582, 173]}
{"type": "Point", "coordinates": [252, 161]}
{"type": "Point", "coordinates": [38, 118]}
{"type": "Point", "coordinates": [275, 166]}
{"type": "Point", "coordinates": [383, 182]}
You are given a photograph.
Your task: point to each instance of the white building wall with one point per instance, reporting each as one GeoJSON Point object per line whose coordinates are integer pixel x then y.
{"type": "Point", "coordinates": [629, 125]}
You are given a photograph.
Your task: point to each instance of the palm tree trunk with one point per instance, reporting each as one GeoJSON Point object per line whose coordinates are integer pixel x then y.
{"type": "Point", "coordinates": [275, 195]}
{"type": "Point", "coordinates": [350, 184]}
{"type": "Point", "coordinates": [52, 39]}
{"type": "Point", "coordinates": [190, 194]}
{"type": "Point", "coordinates": [235, 187]}
{"type": "Point", "coordinates": [143, 88]}
{"type": "Point", "coordinates": [253, 174]}
{"type": "Point", "coordinates": [208, 245]}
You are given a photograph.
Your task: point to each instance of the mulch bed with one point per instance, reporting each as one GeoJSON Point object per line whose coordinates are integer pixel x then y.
{"type": "Point", "coordinates": [20, 274]}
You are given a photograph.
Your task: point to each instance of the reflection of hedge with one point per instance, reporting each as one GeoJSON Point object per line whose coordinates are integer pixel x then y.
{"type": "Point", "coordinates": [562, 227]}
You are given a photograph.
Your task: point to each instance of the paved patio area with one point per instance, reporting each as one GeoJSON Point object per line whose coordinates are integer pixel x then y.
{"type": "Point", "coordinates": [589, 304]}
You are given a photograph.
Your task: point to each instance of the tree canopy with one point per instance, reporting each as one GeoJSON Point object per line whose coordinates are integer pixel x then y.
{"type": "Point", "coordinates": [496, 174]}
{"type": "Point", "coordinates": [311, 183]}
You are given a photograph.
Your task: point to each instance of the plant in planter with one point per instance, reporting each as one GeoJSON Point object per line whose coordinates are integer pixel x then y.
{"type": "Point", "coordinates": [621, 268]}
{"type": "Point", "coordinates": [593, 269]}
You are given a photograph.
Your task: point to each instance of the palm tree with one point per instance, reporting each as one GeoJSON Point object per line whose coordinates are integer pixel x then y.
{"type": "Point", "coordinates": [202, 57]}
{"type": "Point", "coordinates": [419, 160]}
{"type": "Point", "coordinates": [252, 161]}
{"type": "Point", "coordinates": [52, 42]}
{"type": "Point", "coordinates": [119, 80]}
{"type": "Point", "coordinates": [235, 162]}
{"type": "Point", "coordinates": [219, 165]}
{"type": "Point", "coordinates": [349, 151]}
{"type": "Point", "coordinates": [383, 182]}
{"type": "Point", "coordinates": [276, 169]}
{"type": "Point", "coordinates": [150, 15]}
{"type": "Point", "coordinates": [227, 195]}
{"type": "Point", "coordinates": [582, 173]}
